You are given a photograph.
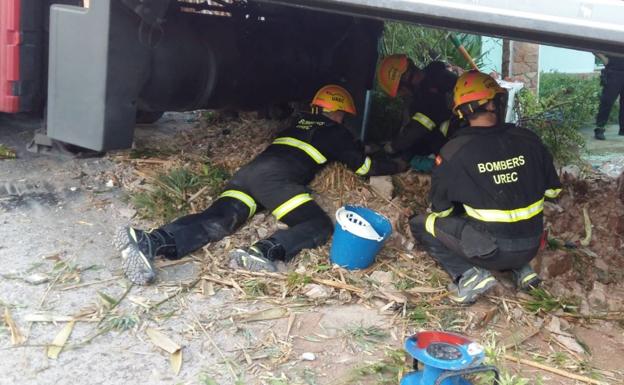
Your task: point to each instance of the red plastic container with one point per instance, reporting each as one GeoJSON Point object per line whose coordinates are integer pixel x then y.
{"type": "Point", "coordinates": [9, 54]}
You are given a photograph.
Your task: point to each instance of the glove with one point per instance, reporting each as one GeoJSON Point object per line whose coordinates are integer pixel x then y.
{"type": "Point", "coordinates": [422, 163]}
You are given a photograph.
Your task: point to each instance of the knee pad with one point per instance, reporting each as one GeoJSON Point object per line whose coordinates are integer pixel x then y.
{"type": "Point", "coordinates": [477, 244]}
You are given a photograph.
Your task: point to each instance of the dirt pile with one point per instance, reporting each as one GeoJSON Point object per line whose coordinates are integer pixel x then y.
{"type": "Point", "coordinates": [584, 259]}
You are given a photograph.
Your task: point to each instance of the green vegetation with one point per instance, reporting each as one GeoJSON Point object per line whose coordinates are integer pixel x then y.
{"type": "Point", "coordinates": [384, 372]}
{"type": "Point", "coordinates": [364, 337]}
{"type": "Point", "coordinates": [170, 195]}
{"type": "Point", "coordinates": [295, 280]}
{"type": "Point", "coordinates": [122, 322]}
{"type": "Point", "coordinates": [255, 288]}
{"type": "Point", "coordinates": [6, 153]}
{"type": "Point", "coordinates": [543, 301]}
{"type": "Point", "coordinates": [425, 45]}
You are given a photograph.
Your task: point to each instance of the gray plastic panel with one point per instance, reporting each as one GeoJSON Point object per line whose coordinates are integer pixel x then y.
{"type": "Point", "coordinates": [78, 112]}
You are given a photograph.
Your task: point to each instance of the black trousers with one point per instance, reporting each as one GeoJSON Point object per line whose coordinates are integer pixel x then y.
{"type": "Point", "coordinates": [613, 85]}
{"type": "Point", "coordinates": [461, 243]}
{"type": "Point", "coordinates": [308, 225]}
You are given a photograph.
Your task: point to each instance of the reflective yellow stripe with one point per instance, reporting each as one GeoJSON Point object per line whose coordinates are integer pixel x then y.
{"type": "Point", "coordinates": [365, 168]}
{"type": "Point", "coordinates": [529, 277]}
{"type": "Point", "coordinates": [444, 127]}
{"type": "Point", "coordinates": [507, 216]}
{"type": "Point", "coordinates": [303, 146]}
{"type": "Point", "coordinates": [241, 196]}
{"type": "Point", "coordinates": [552, 192]}
{"type": "Point", "coordinates": [430, 222]}
{"type": "Point", "coordinates": [291, 204]}
{"type": "Point", "coordinates": [483, 283]}
{"type": "Point", "coordinates": [424, 120]}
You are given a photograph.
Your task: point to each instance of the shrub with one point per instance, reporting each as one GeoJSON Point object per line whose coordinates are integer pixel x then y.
{"type": "Point", "coordinates": [584, 87]}
{"type": "Point", "coordinates": [424, 44]}
{"type": "Point", "coordinates": [555, 120]}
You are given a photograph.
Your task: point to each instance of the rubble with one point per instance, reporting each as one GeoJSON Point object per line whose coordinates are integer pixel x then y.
{"type": "Point", "coordinates": [382, 186]}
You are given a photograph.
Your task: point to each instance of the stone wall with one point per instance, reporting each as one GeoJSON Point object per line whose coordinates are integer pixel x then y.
{"type": "Point", "coordinates": [524, 63]}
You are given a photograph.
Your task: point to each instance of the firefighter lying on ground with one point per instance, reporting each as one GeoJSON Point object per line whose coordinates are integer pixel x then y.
{"type": "Point", "coordinates": [487, 195]}
{"type": "Point", "coordinates": [427, 119]}
{"type": "Point", "coordinates": [276, 181]}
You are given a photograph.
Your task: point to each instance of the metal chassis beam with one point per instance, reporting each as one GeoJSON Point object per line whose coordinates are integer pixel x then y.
{"type": "Point", "coordinates": [594, 25]}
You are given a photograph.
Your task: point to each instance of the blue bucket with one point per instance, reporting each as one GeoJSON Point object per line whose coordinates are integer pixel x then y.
{"type": "Point", "coordinates": [359, 235]}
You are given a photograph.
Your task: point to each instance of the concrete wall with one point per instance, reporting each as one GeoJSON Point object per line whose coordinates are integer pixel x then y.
{"type": "Point", "coordinates": [524, 63]}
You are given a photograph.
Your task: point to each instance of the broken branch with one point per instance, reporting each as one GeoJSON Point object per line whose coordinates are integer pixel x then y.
{"type": "Point", "coordinates": [556, 371]}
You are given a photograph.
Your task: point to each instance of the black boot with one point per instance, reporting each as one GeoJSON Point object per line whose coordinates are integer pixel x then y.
{"type": "Point", "coordinates": [260, 256]}
{"type": "Point", "coordinates": [621, 132]}
{"type": "Point", "coordinates": [599, 134]}
{"type": "Point", "coordinates": [139, 248]}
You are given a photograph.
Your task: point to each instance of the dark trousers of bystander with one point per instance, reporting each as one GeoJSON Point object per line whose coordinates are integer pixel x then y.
{"type": "Point", "coordinates": [613, 86]}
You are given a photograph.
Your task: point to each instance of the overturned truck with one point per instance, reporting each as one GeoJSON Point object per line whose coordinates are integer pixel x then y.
{"type": "Point", "coordinates": [92, 68]}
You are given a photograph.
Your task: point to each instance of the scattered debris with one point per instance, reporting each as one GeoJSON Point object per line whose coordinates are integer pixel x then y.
{"type": "Point", "coordinates": [6, 152]}
{"type": "Point", "coordinates": [264, 315]}
{"type": "Point", "coordinates": [382, 186]}
{"type": "Point", "coordinates": [17, 338]}
{"type": "Point", "coordinates": [167, 344]}
{"type": "Point", "coordinates": [47, 317]}
{"type": "Point", "coordinates": [55, 349]}
{"type": "Point", "coordinates": [315, 291]}
{"type": "Point", "coordinates": [307, 356]}
{"type": "Point", "coordinates": [37, 278]}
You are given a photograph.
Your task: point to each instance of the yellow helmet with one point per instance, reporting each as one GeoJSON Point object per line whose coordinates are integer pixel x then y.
{"type": "Point", "coordinates": [473, 90]}
{"type": "Point", "coordinates": [390, 71]}
{"type": "Point", "coordinates": [334, 98]}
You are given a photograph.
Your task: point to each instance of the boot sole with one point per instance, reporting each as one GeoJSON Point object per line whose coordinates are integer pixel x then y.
{"type": "Point", "coordinates": [474, 295]}
{"type": "Point", "coordinates": [136, 266]}
{"type": "Point", "coordinates": [237, 259]}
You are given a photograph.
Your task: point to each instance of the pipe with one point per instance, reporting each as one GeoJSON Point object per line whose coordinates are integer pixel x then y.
{"type": "Point", "coordinates": [462, 50]}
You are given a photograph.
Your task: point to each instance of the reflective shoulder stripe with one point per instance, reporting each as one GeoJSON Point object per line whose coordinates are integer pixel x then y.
{"type": "Point", "coordinates": [430, 222]}
{"type": "Point", "coordinates": [291, 204]}
{"type": "Point", "coordinates": [365, 168]}
{"type": "Point", "coordinates": [506, 216]}
{"type": "Point", "coordinates": [424, 120]}
{"type": "Point", "coordinates": [303, 146]}
{"type": "Point", "coordinates": [444, 127]}
{"type": "Point", "coordinates": [552, 192]}
{"type": "Point", "coordinates": [241, 196]}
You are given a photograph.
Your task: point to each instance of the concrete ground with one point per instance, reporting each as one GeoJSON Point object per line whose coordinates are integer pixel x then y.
{"type": "Point", "coordinates": [605, 155]}
{"type": "Point", "coordinates": [57, 220]}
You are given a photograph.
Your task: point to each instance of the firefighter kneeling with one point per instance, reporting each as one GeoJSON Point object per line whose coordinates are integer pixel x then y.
{"type": "Point", "coordinates": [487, 195]}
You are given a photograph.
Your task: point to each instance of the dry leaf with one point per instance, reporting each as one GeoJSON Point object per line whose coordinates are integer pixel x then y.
{"type": "Point", "coordinates": [569, 343]}
{"type": "Point", "coordinates": [16, 336]}
{"type": "Point", "coordinates": [425, 290]}
{"type": "Point", "coordinates": [176, 361]}
{"type": "Point", "coordinates": [264, 315]}
{"type": "Point", "coordinates": [59, 341]}
{"type": "Point", "coordinates": [47, 317]}
{"type": "Point", "coordinates": [162, 341]}
{"type": "Point", "coordinates": [107, 300]}
{"type": "Point", "coordinates": [207, 288]}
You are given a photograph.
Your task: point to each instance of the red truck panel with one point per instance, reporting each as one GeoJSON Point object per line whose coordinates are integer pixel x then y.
{"type": "Point", "coordinates": [9, 54]}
